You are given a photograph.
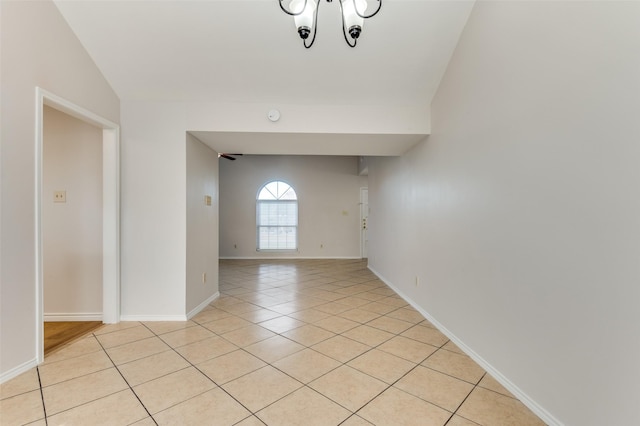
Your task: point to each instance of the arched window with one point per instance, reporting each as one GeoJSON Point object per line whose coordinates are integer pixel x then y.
{"type": "Point", "coordinates": [277, 217]}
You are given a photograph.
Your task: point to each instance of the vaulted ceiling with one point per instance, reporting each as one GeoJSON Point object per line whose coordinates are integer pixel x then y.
{"type": "Point", "coordinates": [247, 51]}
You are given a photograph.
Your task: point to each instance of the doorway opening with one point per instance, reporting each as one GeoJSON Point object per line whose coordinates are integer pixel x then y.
{"type": "Point", "coordinates": [110, 253]}
{"type": "Point", "coordinates": [71, 226]}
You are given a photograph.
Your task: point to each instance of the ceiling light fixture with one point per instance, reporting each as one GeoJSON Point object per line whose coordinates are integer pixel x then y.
{"type": "Point", "coordinates": [354, 12]}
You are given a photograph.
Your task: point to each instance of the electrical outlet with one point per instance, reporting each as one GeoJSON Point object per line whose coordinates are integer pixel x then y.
{"type": "Point", "coordinates": [59, 196]}
{"type": "Point", "coordinates": [204, 277]}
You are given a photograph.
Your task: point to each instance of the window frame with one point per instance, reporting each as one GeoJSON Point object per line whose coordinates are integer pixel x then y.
{"type": "Point", "coordinates": [278, 199]}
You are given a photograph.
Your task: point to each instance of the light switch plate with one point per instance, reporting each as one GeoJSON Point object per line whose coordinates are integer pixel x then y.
{"type": "Point", "coordinates": [207, 200]}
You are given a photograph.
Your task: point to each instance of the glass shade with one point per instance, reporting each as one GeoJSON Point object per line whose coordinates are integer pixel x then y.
{"type": "Point", "coordinates": [351, 18]}
{"type": "Point", "coordinates": [304, 19]}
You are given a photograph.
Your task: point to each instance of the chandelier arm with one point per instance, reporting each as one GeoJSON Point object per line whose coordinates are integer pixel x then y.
{"type": "Point", "coordinates": [315, 28]}
{"type": "Point", "coordinates": [291, 13]}
{"type": "Point", "coordinates": [367, 16]}
{"type": "Point", "coordinates": [344, 29]}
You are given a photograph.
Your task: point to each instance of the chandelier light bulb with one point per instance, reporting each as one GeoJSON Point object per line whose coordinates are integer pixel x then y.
{"type": "Point", "coordinates": [296, 6]}
{"type": "Point", "coordinates": [353, 22]}
{"type": "Point", "coordinates": [305, 17]}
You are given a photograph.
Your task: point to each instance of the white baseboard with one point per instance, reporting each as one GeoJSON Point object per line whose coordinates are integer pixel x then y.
{"type": "Point", "coordinates": [153, 318]}
{"type": "Point", "coordinates": [83, 316]}
{"type": "Point", "coordinates": [203, 305]}
{"type": "Point", "coordinates": [544, 415]}
{"type": "Point", "coordinates": [16, 371]}
{"type": "Point", "coordinates": [186, 317]}
{"type": "Point", "coordinates": [289, 257]}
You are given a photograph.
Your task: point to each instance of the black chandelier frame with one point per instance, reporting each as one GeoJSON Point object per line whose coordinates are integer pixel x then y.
{"type": "Point", "coordinates": [354, 36]}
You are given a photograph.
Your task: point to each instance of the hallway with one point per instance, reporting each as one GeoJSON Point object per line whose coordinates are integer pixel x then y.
{"type": "Point", "coordinates": [289, 342]}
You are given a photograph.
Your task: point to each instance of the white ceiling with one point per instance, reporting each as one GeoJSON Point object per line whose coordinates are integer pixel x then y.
{"type": "Point", "coordinates": [247, 51]}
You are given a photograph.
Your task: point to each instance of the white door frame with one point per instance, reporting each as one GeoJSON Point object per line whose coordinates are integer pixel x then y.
{"type": "Point", "coordinates": [364, 252]}
{"type": "Point", "coordinates": [110, 209]}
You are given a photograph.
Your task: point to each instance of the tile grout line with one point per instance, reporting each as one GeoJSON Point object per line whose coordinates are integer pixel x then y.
{"type": "Point", "coordinates": [304, 385]}
{"type": "Point", "coordinates": [345, 365]}
{"type": "Point", "coordinates": [102, 349]}
{"type": "Point", "coordinates": [200, 371]}
{"type": "Point", "coordinates": [126, 381]}
{"type": "Point", "coordinates": [341, 334]}
{"type": "Point", "coordinates": [400, 378]}
{"type": "Point", "coordinates": [465, 398]}
{"type": "Point", "coordinates": [268, 364]}
{"type": "Point", "coordinates": [44, 406]}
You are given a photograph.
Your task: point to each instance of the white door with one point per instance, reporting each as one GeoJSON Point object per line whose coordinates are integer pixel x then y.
{"type": "Point", "coordinates": [364, 217]}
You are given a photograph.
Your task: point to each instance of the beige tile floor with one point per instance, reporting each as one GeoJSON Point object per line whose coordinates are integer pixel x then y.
{"type": "Point", "coordinates": [287, 343]}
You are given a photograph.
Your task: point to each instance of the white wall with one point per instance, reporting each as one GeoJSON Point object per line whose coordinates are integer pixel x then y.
{"type": "Point", "coordinates": [38, 49]}
{"type": "Point", "coordinates": [202, 224]}
{"type": "Point", "coordinates": [308, 118]}
{"type": "Point", "coordinates": [520, 213]}
{"type": "Point", "coordinates": [328, 190]}
{"type": "Point", "coordinates": [72, 231]}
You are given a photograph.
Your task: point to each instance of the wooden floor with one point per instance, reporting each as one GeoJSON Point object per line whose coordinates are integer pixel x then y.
{"type": "Point", "coordinates": [57, 334]}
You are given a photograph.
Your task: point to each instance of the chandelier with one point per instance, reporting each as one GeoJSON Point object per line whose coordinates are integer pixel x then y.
{"type": "Point", "coordinates": [354, 12]}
